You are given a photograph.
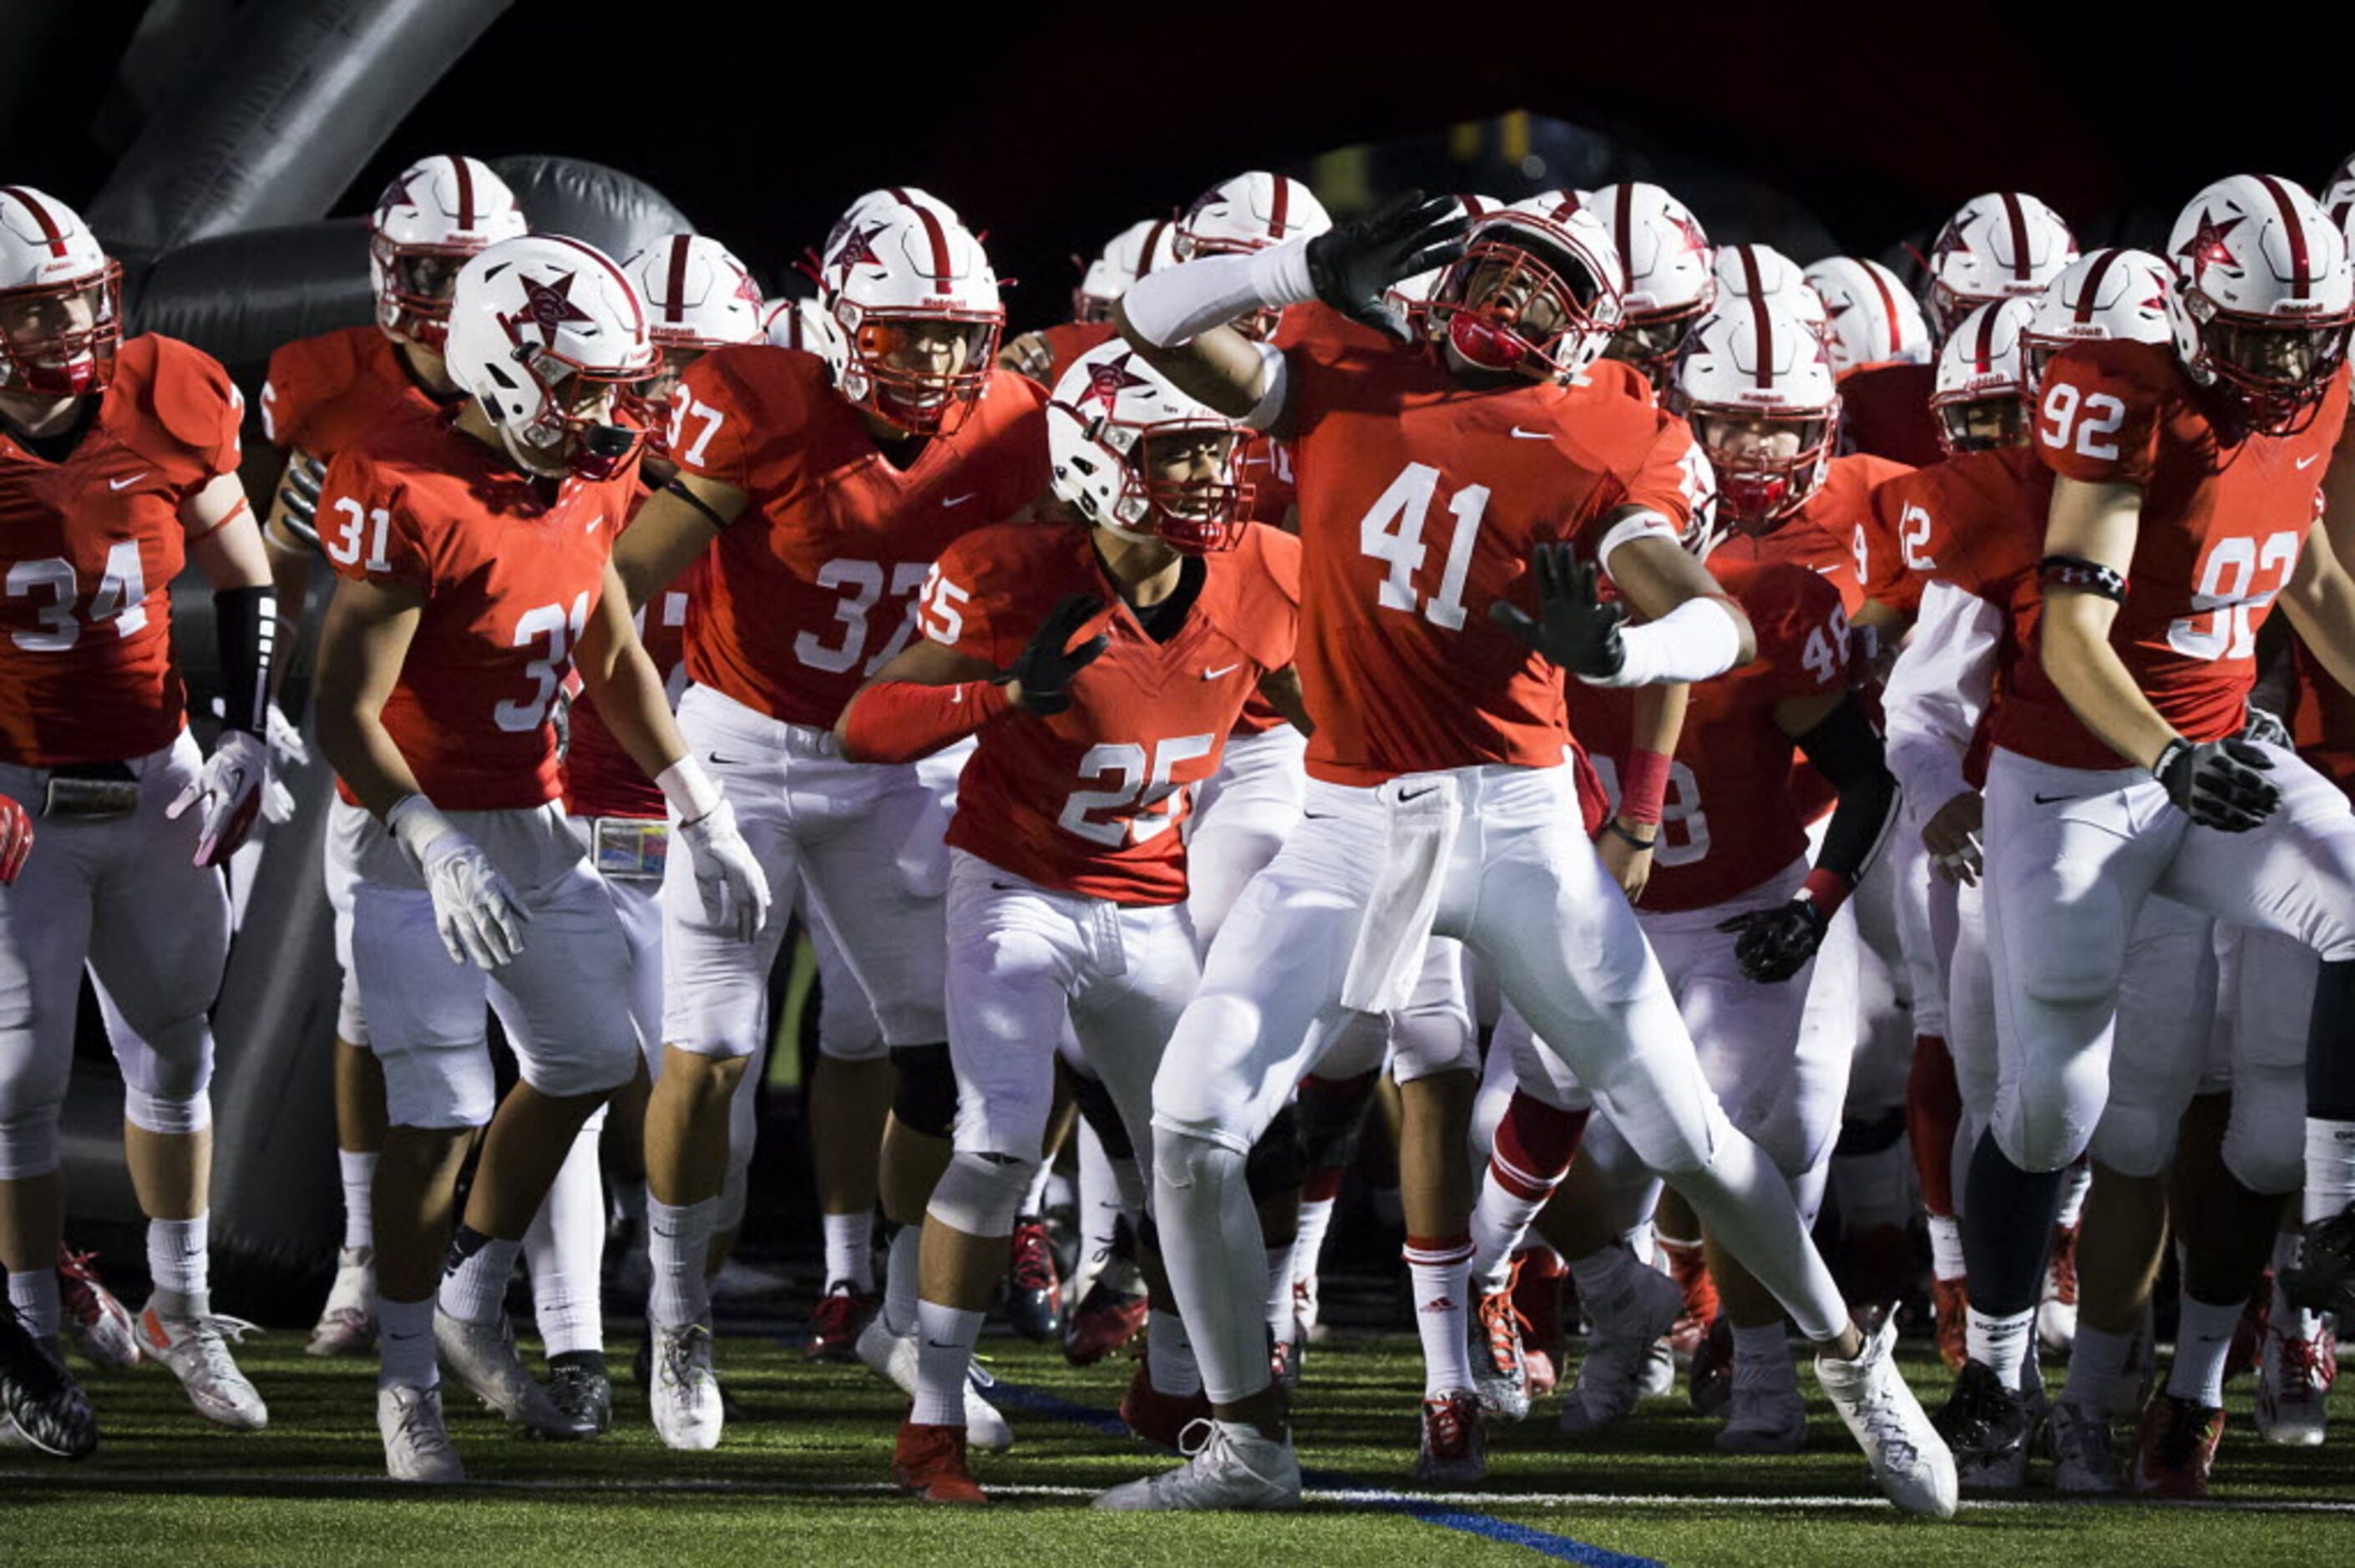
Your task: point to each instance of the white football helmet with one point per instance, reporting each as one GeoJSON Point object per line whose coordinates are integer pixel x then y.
{"type": "Point", "coordinates": [916, 317]}
{"type": "Point", "coordinates": [1670, 284]}
{"type": "Point", "coordinates": [1411, 297]}
{"type": "Point", "coordinates": [61, 299]}
{"type": "Point", "coordinates": [1128, 257]}
{"type": "Point", "coordinates": [549, 336]}
{"type": "Point", "coordinates": [1765, 410]}
{"type": "Point", "coordinates": [2262, 297]}
{"type": "Point", "coordinates": [1981, 399]}
{"type": "Point", "coordinates": [698, 297]}
{"type": "Point", "coordinates": [796, 324]}
{"type": "Point", "coordinates": [1247, 213]}
{"type": "Point", "coordinates": [2105, 295]}
{"type": "Point", "coordinates": [1539, 290]}
{"type": "Point", "coordinates": [865, 205]}
{"type": "Point", "coordinates": [435, 214]}
{"type": "Point", "coordinates": [1110, 415]}
{"type": "Point", "coordinates": [2338, 197]}
{"type": "Point", "coordinates": [1869, 318]}
{"type": "Point", "coordinates": [2005, 245]}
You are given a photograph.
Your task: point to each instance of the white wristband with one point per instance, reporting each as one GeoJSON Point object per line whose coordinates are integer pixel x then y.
{"type": "Point", "coordinates": [1179, 305]}
{"type": "Point", "coordinates": [1697, 640]}
{"type": "Point", "coordinates": [417, 825]}
{"type": "Point", "coordinates": [689, 789]}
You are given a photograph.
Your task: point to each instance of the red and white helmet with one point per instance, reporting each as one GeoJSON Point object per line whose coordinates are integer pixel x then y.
{"type": "Point", "coordinates": [1981, 398]}
{"type": "Point", "coordinates": [1128, 256]}
{"type": "Point", "coordinates": [1109, 410]}
{"type": "Point", "coordinates": [1250, 212]}
{"type": "Point", "coordinates": [865, 205]}
{"type": "Point", "coordinates": [1765, 408]}
{"type": "Point", "coordinates": [1670, 284]}
{"type": "Point", "coordinates": [1761, 272]}
{"type": "Point", "coordinates": [2106, 294]}
{"type": "Point", "coordinates": [61, 299]}
{"type": "Point", "coordinates": [916, 317]}
{"type": "Point", "coordinates": [435, 214]}
{"type": "Point", "coordinates": [549, 336]}
{"type": "Point", "coordinates": [1411, 297]}
{"type": "Point", "coordinates": [2338, 197]}
{"type": "Point", "coordinates": [2262, 297]}
{"type": "Point", "coordinates": [698, 295]}
{"type": "Point", "coordinates": [1869, 318]}
{"type": "Point", "coordinates": [1539, 290]}
{"type": "Point", "coordinates": [796, 324]}
{"type": "Point", "coordinates": [2005, 245]}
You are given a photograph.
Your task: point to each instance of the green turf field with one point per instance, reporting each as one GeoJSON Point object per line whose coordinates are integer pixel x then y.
{"type": "Point", "coordinates": [803, 1481]}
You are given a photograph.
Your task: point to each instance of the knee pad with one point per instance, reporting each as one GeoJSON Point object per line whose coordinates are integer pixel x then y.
{"type": "Point", "coordinates": [28, 1141]}
{"type": "Point", "coordinates": [438, 1090]}
{"type": "Point", "coordinates": [166, 1076]}
{"type": "Point", "coordinates": [1194, 1163]}
{"type": "Point", "coordinates": [1331, 1116]}
{"type": "Point", "coordinates": [2265, 1141]}
{"type": "Point", "coordinates": [1095, 1103]}
{"type": "Point", "coordinates": [167, 1114]}
{"type": "Point", "coordinates": [925, 1090]}
{"type": "Point", "coordinates": [1275, 1164]}
{"type": "Point", "coordinates": [980, 1194]}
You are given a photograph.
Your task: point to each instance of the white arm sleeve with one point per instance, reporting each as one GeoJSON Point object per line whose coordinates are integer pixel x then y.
{"type": "Point", "coordinates": [1697, 640]}
{"type": "Point", "coordinates": [1938, 692]}
{"type": "Point", "coordinates": [1179, 305]}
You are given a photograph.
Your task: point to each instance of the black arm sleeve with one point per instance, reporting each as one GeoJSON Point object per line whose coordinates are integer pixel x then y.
{"type": "Point", "coordinates": [246, 619]}
{"type": "Point", "coordinates": [1846, 750]}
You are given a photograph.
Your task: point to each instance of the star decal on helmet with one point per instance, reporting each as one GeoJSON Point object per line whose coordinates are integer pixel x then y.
{"type": "Point", "coordinates": [1951, 240]}
{"type": "Point", "coordinates": [547, 306]}
{"type": "Point", "coordinates": [857, 248]}
{"type": "Point", "coordinates": [1108, 380]}
{"type": "Point", "coordinates": [2206, 248]}
{"type": "Point", "coordinates": [1695, 240]}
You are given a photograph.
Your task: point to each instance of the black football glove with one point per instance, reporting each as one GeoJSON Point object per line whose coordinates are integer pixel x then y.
{"type": "Point", "coordinates": [1573, 627]}
{"type": "Point", "coordinates": [1352, 267]}
{"type": "Point", "coordinates": [298, 488]}
{"type": "Point", "coordinates": [1773, 944]}
{"type": "Point", "coordinates": [2219, 784]}
{"type": "Point", "coordinates": [1047, 666]}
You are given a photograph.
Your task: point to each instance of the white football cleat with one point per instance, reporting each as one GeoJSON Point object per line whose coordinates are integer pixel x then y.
{"type": "Point", "coordinates": [685, 1395]}
{"type": "Point", "coordinates": [416, 1441]}
{"type": "Point", "coordinates": [1230, 1467]}
{"type": "Point", "coordinates": [893, 1357]}
{"type": "Point", "coordinates": [1618, 1363]}
{"type": "Point", "coordinates": [196, 1350]}
{"type": "Point", "coordinates": [2084, 1461]}
{"type": "Point", "coordinates": [2294, 1379]}
{"type": "Point", "coordinates": [347, 1325]}
{"type": "Point", "coordinates": [483, 1357]}
{"type": "Point", "coordinates": [100, 1326]}
{"type": "Point", "coordinates": [1911, 1463]}
{"type": "Point", "coordinates": [1767, 1414]}
{"type": "Point", "coordinates": [1455, 1451]}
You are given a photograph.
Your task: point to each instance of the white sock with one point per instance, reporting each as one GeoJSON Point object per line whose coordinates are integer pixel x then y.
{"type": "Point", "coordinates": [2290, 1322]}
{"type": "Point", "coordinates": [1642, 1239]}
{"type": "Point", "coordinates": [944, 1340]}
{"type": "Point", "coordinates": [2002, 1344]}
{"type": "Point", "coordinates": [2203, 1337]}
{"type": "Point", "coordinates": [1308, 1242]}
{"type": "Point", "coordinates": [1501, 1217]}
{"type": "Point", "coordinates": [1763, 1355]}
{"type": "Point", "coordinates": [1946, 1247]}
{"type": "Point", "coordinates": [1169, 1355]}
{"type": "Point", "coordinates": [903, 1271]}
{"type": "Point", "coordinates": [566, 1249]}
{"type": "Point", "coordinates": [359, 1197]}
{"type": "Point", "coordinates": [678, 1241]}
{"type": "Point", "coordinates": [2075, 1183]}
{"type": "Point", "coordinates": [2330, 1168]}
{"type": "Point", "coordinates": [33, 1292]}
{"type": "Point", "coordinates": [177, 1262]}
{"type": "Point", "coordinates": [1099, 1197]}
{"type": "Point", "coordinates": [2096, 1360]}
{"type": "Point", "coordinates": [1442, 1274]}
{"type": "Point", "coordinates": [1280, 1320]}
{"type": "Point", "coordinates": [476, 1290]}
{"type": "Point", "coordinates": [405, 1344]}
{"type": "Point", "coordinates": [1034, 1197]}
{"type": "Point", "coordinates": [850, 1250]}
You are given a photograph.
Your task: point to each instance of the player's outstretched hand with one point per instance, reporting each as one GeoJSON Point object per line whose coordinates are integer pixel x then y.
{"type": "Point", "coordinates": [1353, 265]}
{"type": "Point", "coordinates": [1773, 944]}
{"type": "Point", "coordinates": [231, 787]}
{"type": "Point", "coordinates": [1573, 627]}
{"type": "Point", "coordinates": [728, 878]}
{"type": "Point", "coordinates": [1043, 671]}
{"type": "Point", "coordinates": [15, 838]}
{"type": "Point", "coordinates": [2219, 784]}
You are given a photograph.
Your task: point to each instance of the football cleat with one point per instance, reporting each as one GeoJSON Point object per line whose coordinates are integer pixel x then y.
{"type": "Point", "coordinates": [685, 1396]}
{"type": "Point", "coordinates": [347, 1325]}
{"type": "Point", "coordinates": [2175, 1449]}
{"type": "Point", "coordinates": [1710, 1379]}
{"type": "Point", "coordinates": [1987, 1426]}
{"type": "Point", "coordinates": [196, 1350]}
{"type": "Point", "coordinates": [893, 1356]}
{"type": "Point", "coordinates": [1454, 1449]}
{"type": "Point", "coordinates": [1950, 1303]}
{"type": "Point", "coordinates": [1500, 1373]}
{"type": "Point", "coordinates": [835, 1322]}
{"type": "Point", "coordinates": [1537, 1281]}
{"type": "Point", "coordinates": [2084, 1461]}
{"type": "Point", "coordinates": [416, 1440]}
{"type": "Point", "coordinates": [1768, 1416]}
{"type": "Point", "coordinates": [41, 1405]}
{"type": "Point", "coordinates": [99, 1325]}
{"type": "Point", "coordinates": [2056, 1314]}
{"type": "Point", "coordinates": [483, 1357]}
{"type": "Point", "coordinates": [929, 1461]}
{"type": "Point", "coordinates": [1156, 1417]}
{"type": "Point", "coordinates": [1034, 1296]}
{"type": "Point", "coordinates": [1689, 1269]}
{"type": "Point", "coordinates": [1110, 1315]}
{"type": "Point", "coordinates": [2294, 1379]}
{"type": "Point", "coordinates": [2324, 1278]}
{"type": "Point", "coordinates": [1228, 1466]}
{"type": "Point", "coordinates": [1911, 1461]}
{"type": "Point", "coordinates": [1619, 1345]}
{"type": "Point", "coordinates": [581, 1392]}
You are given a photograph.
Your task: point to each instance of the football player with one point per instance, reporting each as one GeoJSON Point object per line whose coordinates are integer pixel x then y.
{"type": "Point", "coordinates": [1101, 666]}
{"type": "Point", "coordinates": [1980, 401]}
{"type": "Point", "coordinates": [819, 491]}
{"type": "Point", "coordinates": [118, 465]}
{"type": "Point", "coordinates": [2005, 245]}
{"type": "Point", "coordinates": [1881, 349]}
{"type": "Point", "coordinates": [480, 571]}
{"type": "Point", "coordinates": [1439, 798]}
{"type": "Point", "coordinates": [1671, 285]}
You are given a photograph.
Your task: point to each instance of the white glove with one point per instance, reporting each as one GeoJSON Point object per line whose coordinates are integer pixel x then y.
{"type": "Point", "coordinates": [230, 785]}
{"type": "Point", "coordinates": [287, 747]}
{"type": "Point", "coordinates": [734, 889]}
{"type": "Point", "coordinates": [479, 917]}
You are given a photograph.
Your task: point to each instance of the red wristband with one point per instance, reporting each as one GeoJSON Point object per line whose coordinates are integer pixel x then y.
{"type": "Point", "coordinates": [1827, 890]}
{"type": "Point", "coordinates": [1642, 786]}
{"type": "Point", "coordinates": [900, 721]}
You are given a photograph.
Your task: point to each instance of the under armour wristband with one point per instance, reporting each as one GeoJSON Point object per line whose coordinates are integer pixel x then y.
{"type": "Point", "coordinates": [901, 721]}
{"type": "Point", "coordinates": [1643, 786]}
{"type": "Point", "coordinates": [1699, 638]}
{"type": "Point", "coordinates": [245, 621]}
{"type": "Point", "coordinates": [689, 789]}
{"type": "Point", "coordinates": [1179, 305]}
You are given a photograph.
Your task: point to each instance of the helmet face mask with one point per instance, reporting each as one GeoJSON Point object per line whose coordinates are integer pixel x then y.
{"type": "Point", "coordinates": [922, 372]}
{"type": "Point", "coordinates": [434, 216]}
{"type": "Point", "coordinates": [2275, 372]}
{"type": "Point", "coordinates": [57, 340]}
{"type": "Point", "coordinates": [1652, 344]}
{"type": "Point", "coordinates": [1132, 453]}
{"type": "Point", "coordinates": [1767, 464]}
{"type": "Point", "coordinates": [1514, 303]}
{"type": "Point", "coordinates": [1983, 424]}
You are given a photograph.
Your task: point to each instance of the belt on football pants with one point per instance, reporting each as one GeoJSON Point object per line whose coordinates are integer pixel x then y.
{"type": "Point", "coordinates": [91, 791]}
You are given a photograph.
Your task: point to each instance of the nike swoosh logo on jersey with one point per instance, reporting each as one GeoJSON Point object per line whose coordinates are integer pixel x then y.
{"type": "Point", "coordinates": [1319, 816]}
{"type": "Point", "coordinates": [593, 525]}
{"type": "Point", "coordinates": [1418, 794]}
{"type": "Point", "coordinates": [718, 761]}
{"type": "Point", "coordinates": [2055, 800]}
{"type": "Point", "coordinates": [1532, 435]}
{"type": "Point", "coordinates": [959, 500]}
{"type": "Point", "coordinates": [127, 483]}
{"type": "Point", "coordinates": [2308, 461]}
{"type": "Point", "coordinates": [1221, 670]}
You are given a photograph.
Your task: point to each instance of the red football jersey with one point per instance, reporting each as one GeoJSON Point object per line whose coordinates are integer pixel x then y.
{"type": "Point", "coordinates": [812, 588]}
{"type": "Point", "coordinates": [1731, 818]}
{"type": "Point", "coordinates": [508, 576]}
{"type": "Point", "coordinates": [1066, 341]}
{"type": "Point", "coordinates": [325, 392]}
{"type": "Point", "coordinates": [91, 545]}
{"type": "Point", "coordinates": [2322, 719]}
{"type": "Point", "coordinates": [600, 779]}
{"type": "Point", "coordinates": [1281, 567]}
{"type": "Point", "coordinates": [1822, 535]}
{"type": "Point", "coordinates": [1089, 800]}
{"type": "Point", "coordinates": [1885, 413]}
{"type": "Point", "coordinates": [2223, 519]}
{"type": "Point", "coordinates": [1420, 501]}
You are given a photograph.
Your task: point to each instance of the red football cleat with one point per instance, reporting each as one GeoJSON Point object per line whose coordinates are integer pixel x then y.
{"type": "Point", "coordinates": [835, 1322]}
{"type": "Point", "coordinates": [930, 1462]}
{"type": "Point", "coordinates": [1950, 1302]}
{"type": "Point", "coordinates": [2176, 1449]}
{"type": "Point", "coordinates": [1539, 1275]}
{"type": "Point", "coordinates": [1034, 1295]}
{"type": "Point", "coordinates": [1689, 1269]}
{"type": "Point", "coordinates": [1110, 1316]}
{"type": "Point", "coordinates": [1157, 1417]}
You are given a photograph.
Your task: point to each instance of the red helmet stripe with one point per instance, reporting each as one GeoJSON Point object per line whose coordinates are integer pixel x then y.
{"type": "Point", "coordinates": [1984, 352]}
{"type": "Point", "coordinates": [629, 289]}
{"type": "Point", "coordinates": [1622, 222]}
{"type": "Point", "coordinates": [2092, 290]}
{"type": "Point", "coordinates": [1279, 207]}
{"type": "Point", "coordinates": [40, 215]}
{"type": "Point", "coordinates": [940, 238]}
{"type": "Point", "coordinates": [1760, 316]}
{"type": "Point", "coordinates": [1152, 243]}
{"type": "Point", "coordinates": [675, 284]}
{"type": "Point", "coordinates": [900, 194]}
{"type": "Point", "coordinates": [2018, 217]}
{"type": "Point", "coordinates": [465, 192]}
{"type": "Point", "coordinates": [2301, 268]}
{"type": "Point", "coordinates": [1888, 308]}
{"type": "Point", "coordinates": [1752, 284]}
